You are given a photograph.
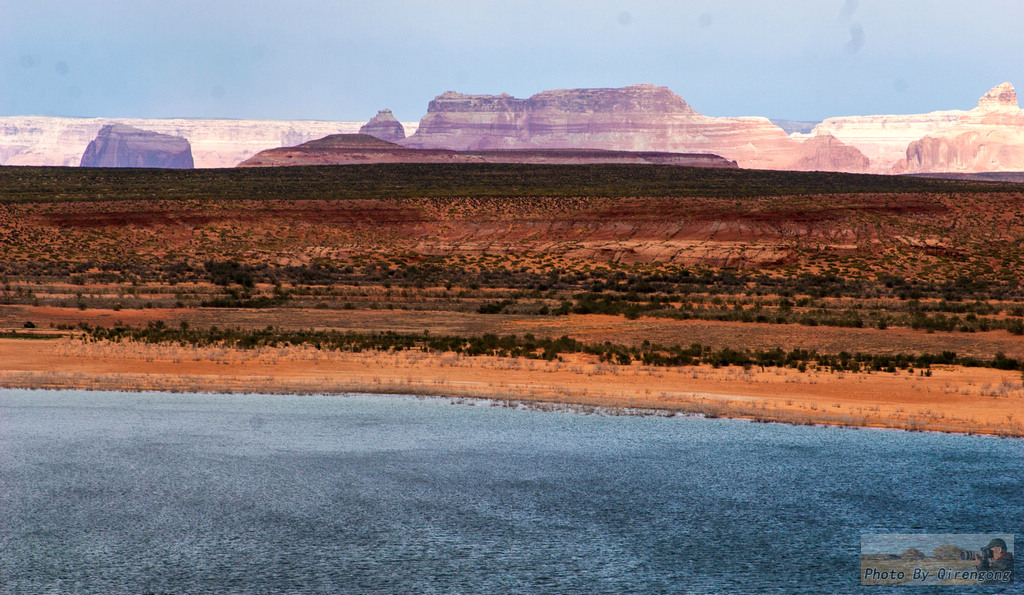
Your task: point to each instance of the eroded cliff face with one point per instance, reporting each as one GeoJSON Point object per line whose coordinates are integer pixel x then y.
{"type": "Point", "coordinates": [117, 145]}
{"type": "Point", "coordinates": [987, 138]}
{"type": "Point", "coordinates": [635, 118]}
{"type": "Point", "coordinates": [1001, 98]}
{"type": "Point", "coordinates": [883, 139]}
{"type": "Point", "coordinates": [640, 118]}
{"type": "Point", "coordinates": [384, 126]}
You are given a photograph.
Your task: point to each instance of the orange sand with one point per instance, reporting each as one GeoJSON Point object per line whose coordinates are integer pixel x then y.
{"type": "Point", "coordinates": [953, 399]}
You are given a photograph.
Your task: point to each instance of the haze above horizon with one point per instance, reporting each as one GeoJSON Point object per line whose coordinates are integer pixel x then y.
{"type": "Point", "coordinates": [344, 61]}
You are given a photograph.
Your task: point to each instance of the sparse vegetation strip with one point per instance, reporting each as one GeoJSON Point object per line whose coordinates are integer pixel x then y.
{"type": "Point", "coordinates": [61, 184]}
{"type": "Point", "coordinates": [532, 347]}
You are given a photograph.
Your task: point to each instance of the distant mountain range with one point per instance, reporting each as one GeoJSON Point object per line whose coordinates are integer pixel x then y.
{"type": "Point", "coordinates": [43, 140]}
{"type": "Point", "coordinates": [638, 118]}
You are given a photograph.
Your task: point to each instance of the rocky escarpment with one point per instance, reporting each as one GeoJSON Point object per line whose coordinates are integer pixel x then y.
{"type": "Point", "coordinates": [973, 151]}
{"type": "Point", "coordinates": [987, 138]}
{"type": "Point", "coordinates": [641, 118]}
{"type": "Point", "coordinates": [883, 139]}
{"type": "Point", "coordinates": [384, 126]}
{"type": "Point", "coordinates": [118, 145]}
{"type": "Point", "coordinates": [635, 118]}
{"type": "Point", "coordinates": [1002, 97]}
{"type": "Point", "coordinates": [356, 149]}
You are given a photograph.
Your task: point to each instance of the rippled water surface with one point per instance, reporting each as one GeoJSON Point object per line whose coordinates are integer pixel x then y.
{"type": "Point", "coordinates": [136, 493]}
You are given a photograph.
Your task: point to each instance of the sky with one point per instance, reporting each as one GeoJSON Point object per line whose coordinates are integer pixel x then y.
{"type": "Point", "coordinates": [344, 60]}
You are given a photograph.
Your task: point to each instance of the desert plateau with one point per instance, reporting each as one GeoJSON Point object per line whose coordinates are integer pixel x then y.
{"type": "Point", "coordinates": [818, 298]}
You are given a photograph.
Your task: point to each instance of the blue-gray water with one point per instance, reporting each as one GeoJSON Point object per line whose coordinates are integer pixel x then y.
{"type": "Point", "coordinates": [136, 493]}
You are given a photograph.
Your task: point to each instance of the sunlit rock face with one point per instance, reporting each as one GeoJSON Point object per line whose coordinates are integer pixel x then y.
{"type": "Point", "coordinates": [883, 139]}
{"type": "Point", "coordinates": [827, 153]}
{"type": "Point", "coordinates": [987, 138]}
{"type": "Point", "coordinates": [43, 140]}
{"type": "Point", "coordinates": [118, 145]}
{"type": "Point", "coordinates": [635, 118]}
{"type": "Point", "coordinates": [1002, 97]}
{"type": "Point", "coordinates": [384, 126]}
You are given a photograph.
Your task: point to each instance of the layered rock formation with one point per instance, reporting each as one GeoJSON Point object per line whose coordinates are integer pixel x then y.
{"type": "Point", "coordinates": [635, 118]}
{"type": "Point", "coordinates": [883, 139]}
{"type": "Point", "coordinates": [1002, 97]}
{"type": "Point", "coordinates": [354, 149]}
{"type": "Point", "coordinates": [987, 138]}
{"type": "Point", "coordinates": [42, 140]}
{"type": "Point", "coordinates": [384, 126]}
{"type": "Point", "coordinates": [824, 152]}
{"type": "Point", "coordinates": [640, 118]}
{"type": "Point", "coordinates": [118, 145]}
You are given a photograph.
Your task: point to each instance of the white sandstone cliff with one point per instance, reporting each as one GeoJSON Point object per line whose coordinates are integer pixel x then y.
{"type": "Point", "coordinates": [44, 140]}
{"type": "Point", "coordinates": [988, 138]}
{"type": "Point", "coordinates": [937, 141]}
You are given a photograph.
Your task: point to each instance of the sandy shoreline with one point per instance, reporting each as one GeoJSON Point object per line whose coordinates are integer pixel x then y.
{"type": "Point", "coordinates": [952, 399]}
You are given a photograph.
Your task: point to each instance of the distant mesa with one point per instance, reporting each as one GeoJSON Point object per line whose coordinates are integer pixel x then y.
{"type": "Point", "coordinates": [359, 149]}
{"type": "Point", "coordinates": [635, 118]}
{"type": "Point", "coordinates": [334, 149]}
{"type": "Point", "coordinates": [635, 124]}
{"type": "Point", "coordinates": [359, 141]}
{"type": "Point", "coordinates": [827, 153]}
{"type": "Point", "coordinates": [119, 145]}
{"type": "Point", "coordinates": [384, 126]}
{"type": "Point", "coordinates": [51, 140]}
{"type": "Point", "coordinates": [638, 119]}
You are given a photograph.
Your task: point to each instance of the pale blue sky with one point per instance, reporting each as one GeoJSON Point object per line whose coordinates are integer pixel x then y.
{"type": "Point", "coordinates": [344, 60]}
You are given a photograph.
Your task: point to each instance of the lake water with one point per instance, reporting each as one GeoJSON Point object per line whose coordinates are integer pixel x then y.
{"type": "Point", "coordinates": [170, 493]}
